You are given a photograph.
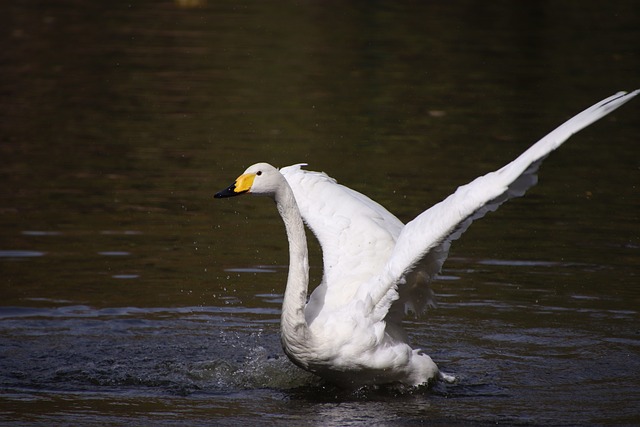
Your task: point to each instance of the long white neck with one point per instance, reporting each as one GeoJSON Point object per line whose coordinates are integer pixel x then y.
{"type": "Point", "coordinates": [294, 328]}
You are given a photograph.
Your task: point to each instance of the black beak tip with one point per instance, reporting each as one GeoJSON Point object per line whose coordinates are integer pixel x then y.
{"type": "Point", "coordinates": [227, 192]}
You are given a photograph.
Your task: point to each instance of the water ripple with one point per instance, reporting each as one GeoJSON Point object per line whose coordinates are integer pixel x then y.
{"type": "Point", "coordinates": [20, 254]}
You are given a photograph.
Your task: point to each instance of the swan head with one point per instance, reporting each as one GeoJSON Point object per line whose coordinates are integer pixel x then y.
{"type": "Point", "coordinates": [258, 179]}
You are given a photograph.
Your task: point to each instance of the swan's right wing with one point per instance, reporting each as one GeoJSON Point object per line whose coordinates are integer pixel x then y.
{"type": "Point", "coordinates": [423, 244]}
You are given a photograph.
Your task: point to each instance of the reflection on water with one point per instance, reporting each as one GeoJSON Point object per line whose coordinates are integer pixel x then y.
{"type": "Point", "coordinates": [127, 295]}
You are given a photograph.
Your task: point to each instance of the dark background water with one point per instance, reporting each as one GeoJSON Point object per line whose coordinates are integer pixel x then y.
{"type": "Point", "coordinates": [128, 295]}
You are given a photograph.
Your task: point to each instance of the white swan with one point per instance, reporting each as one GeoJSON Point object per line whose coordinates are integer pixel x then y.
{"type": "Point", "coordinates": [375, 268]}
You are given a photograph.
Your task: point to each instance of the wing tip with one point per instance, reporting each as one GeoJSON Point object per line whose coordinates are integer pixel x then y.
{"type": "Point", "coordinates": [293, 168]}
{"type": "Point", "coordinates": [617, 99]}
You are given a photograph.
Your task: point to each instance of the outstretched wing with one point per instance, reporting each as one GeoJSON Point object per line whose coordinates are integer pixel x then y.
{"type": "Point", "coordinates": [357, 234]}
{"type": "Point", "coordinates": [424, 243]}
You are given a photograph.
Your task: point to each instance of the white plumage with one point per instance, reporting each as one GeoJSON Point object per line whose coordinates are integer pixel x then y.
{"type": "Point", "coordinates": [375, 267]}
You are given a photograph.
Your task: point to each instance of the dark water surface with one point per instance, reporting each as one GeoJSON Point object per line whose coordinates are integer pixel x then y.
{"type": "Point", "coordinates": [129, 296]}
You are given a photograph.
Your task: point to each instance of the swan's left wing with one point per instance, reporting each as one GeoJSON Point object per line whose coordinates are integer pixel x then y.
{"type": "Point", "coordinates": [357, 234]}
{"type": "Point", "coordinates": [423, 244]}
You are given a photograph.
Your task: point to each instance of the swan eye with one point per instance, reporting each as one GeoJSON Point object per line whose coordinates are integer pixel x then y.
{"type": "Point", "coordinates": [259, 173]}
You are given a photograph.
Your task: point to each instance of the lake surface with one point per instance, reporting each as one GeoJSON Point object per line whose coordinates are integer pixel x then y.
{"type": "Point", "coordinates": [129, 296]}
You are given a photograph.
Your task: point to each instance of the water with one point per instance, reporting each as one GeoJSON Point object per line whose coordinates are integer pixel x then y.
{"type": "Point", "coordinates": [129, 296]}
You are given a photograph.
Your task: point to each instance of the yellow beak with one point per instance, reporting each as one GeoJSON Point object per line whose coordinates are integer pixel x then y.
{"type": "Point", "coordinates": [242, 185]}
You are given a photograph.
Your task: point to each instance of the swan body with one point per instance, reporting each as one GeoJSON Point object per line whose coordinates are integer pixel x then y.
{"type": "Point", "coordinates": [376, 268]}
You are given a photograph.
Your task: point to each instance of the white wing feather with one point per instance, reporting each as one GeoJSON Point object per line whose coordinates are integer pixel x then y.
{"type": "Point", "coordinates": [371, 257]}
{"type": "Point", "coordinates": [424, 243]}
{"type": "Point", "coordinates": [357, 235]}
